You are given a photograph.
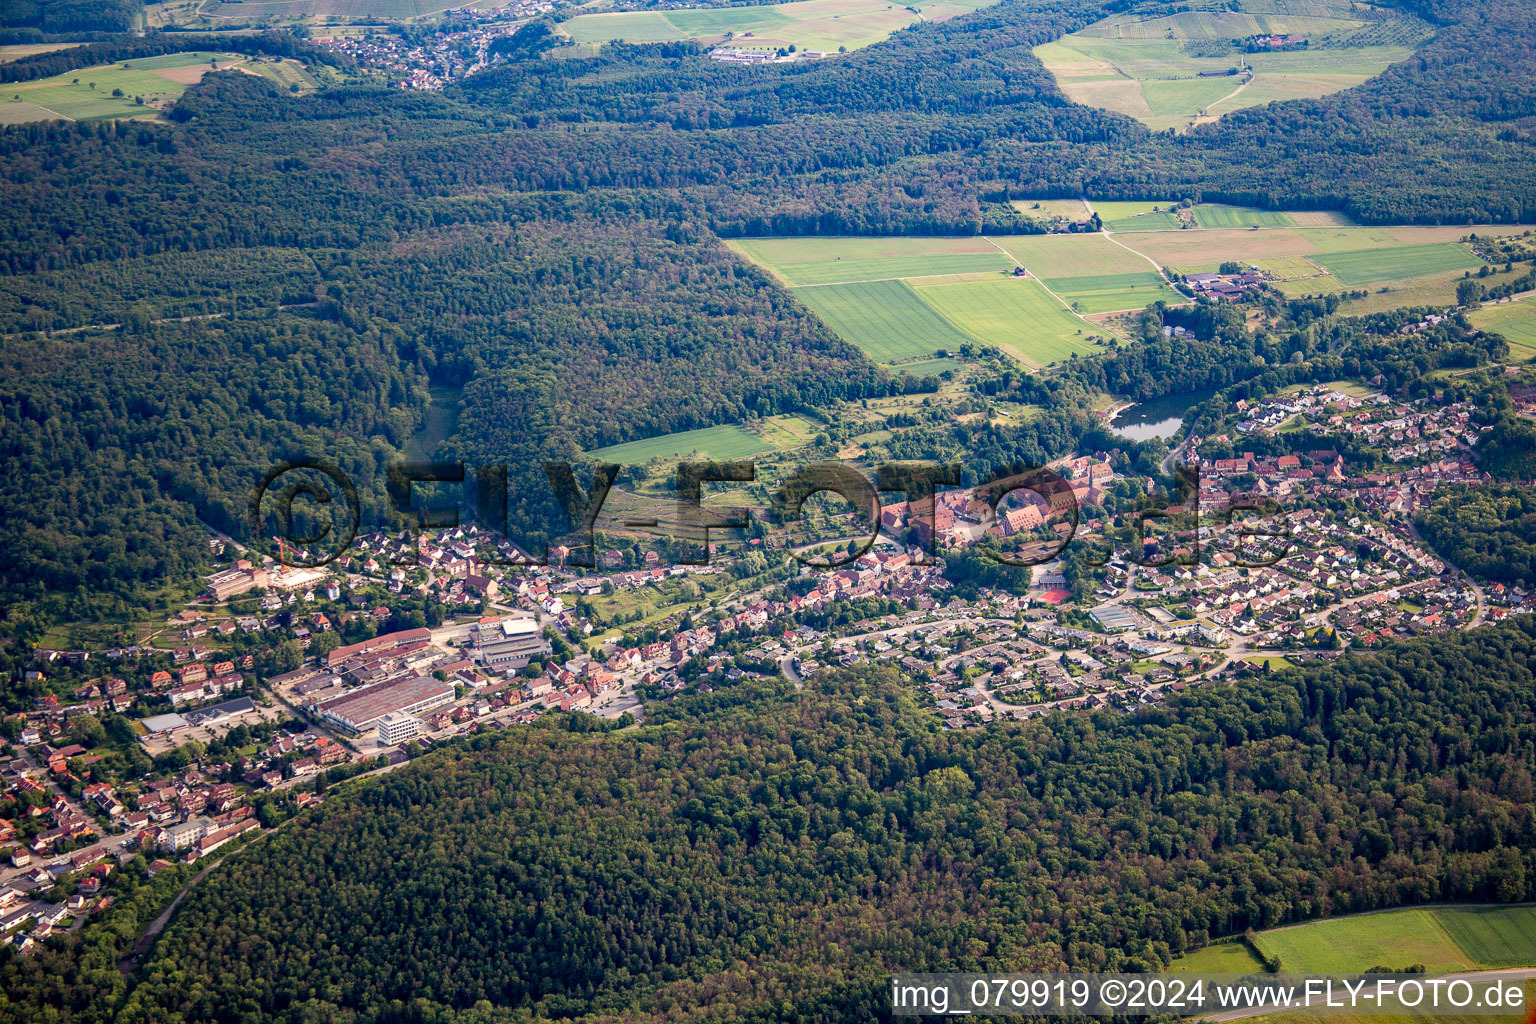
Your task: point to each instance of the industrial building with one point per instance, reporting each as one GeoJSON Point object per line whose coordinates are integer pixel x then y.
{"type": "Point", "coordinates": [397, 727]}
{"type": "Point", "coordinates": [510, 644]}
{"type": "Point", "coordinates": [360, 710]}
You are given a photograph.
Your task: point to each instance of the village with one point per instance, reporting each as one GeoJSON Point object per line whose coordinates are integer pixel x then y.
{"type": "Point", "coordinates": [277, 683]}
{"type": "Point", "coordinates": [462, 48]}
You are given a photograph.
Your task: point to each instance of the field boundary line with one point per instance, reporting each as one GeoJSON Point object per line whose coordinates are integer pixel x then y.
{"type": "Point", "coordinates": [1110, 235]}
{"type": "Point", "coordinates": [1064, 303]}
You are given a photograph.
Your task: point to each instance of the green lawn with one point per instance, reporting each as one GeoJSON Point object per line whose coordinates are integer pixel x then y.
{"type": "Point", "coordinates": [728, 441]}
{"type": "Point", "coordinates": [885, 319]}
{"type": "Point", "coordinates": [1371, 266]}
{"type": "Point", "coordinates": [1014, 314]}
{"type": "Point", "coordinates": [803, 261]}
{"type": "Point", "coordinates": [1351, 945]}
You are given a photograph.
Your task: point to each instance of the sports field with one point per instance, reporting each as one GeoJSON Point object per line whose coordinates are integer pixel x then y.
{"type": "Point", "coordinates": [1149, 66]}
{"type": "Point", "coordinates": [115, 90]}
{"type": "Point", "coordinates": [886, 319]}
{"type": "Point", "coordinates": [1516, 321]}
{"type": "Point", "coordinates": [807, 24]}
{"type": "Point", "coordinates": [1014, 314]}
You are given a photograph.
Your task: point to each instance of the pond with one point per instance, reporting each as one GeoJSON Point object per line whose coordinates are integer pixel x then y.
{"type": "Point", "coordinates": [1158, 418]}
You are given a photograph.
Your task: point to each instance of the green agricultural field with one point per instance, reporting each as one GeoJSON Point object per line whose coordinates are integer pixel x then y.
{"type": "Point", "coordinates": [1493, 936]}
{"type": "Point", "coordinates": [805, 261]}
{"type": "Point", "coordinates": [1104, 293]}
{"type": "Point", "coordinates": [1372, 266]}
{"type": "Point", "coordinates": [808, 24]}
{"type": "Point", "coordinates": [87, 94]}
{"type": "Point", "coordinates": [884, 319]}
{"type": "Point", "coordinates": [1122, 216]}
{"type": "Point", "coordinates": [1289, 268]}
{"type": "Point", "coordinates": [16, 51]}
{"type": "Point", "coordinates": [1177, 97]}
{"type": "Point", "coordinates": [1516, 321]}
{"type": "Point", "coordinates": [1052, 257]}
{"type": "Point", "coordinates": [1216, 215]}
{"type": "Point", "coordinates": [1148, 66]}
{"type": "Point", "coordinates": [1351, 945]}
{"type": "Point", "coordinates": [1013, 314]}
{"type": "Point", "coordinates": [1222, 958]}
{"type": "Point", "coordinates": [729, 441]}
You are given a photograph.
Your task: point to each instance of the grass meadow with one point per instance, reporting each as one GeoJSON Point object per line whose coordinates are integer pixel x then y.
{"type": "Point", "coordinates": [804, 261]}
{"type": "Point", "coordinates": [885, 319]}
{"type": "Point", "coordinates": [1014, 314]}
{"type": "Point", "coordinates": [1516, 321]}
{"type": "Point", "coordinates": [1372, 266]}
{"type": "Point", "coordinates": [87, 94]}
{"type": "Point", "coordinates": [1443, 939]}
{"type": "Point", "coordinates": [729, 441]}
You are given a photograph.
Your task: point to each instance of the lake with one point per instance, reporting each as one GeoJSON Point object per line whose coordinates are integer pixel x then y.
{"type": "Point", "coordinates": [1158, 418]}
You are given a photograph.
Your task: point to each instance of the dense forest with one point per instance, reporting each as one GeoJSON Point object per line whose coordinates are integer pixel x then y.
{"type": "Point", "coordinates": [67, 16]}
{"type": "Point", "coordinates": [763, 854]}
{"type": "Point", "coordinates": [1489, 532]}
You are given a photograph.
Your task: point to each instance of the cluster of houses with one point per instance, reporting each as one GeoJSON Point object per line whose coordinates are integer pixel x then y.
{"type": "Point", "coordinates": [431, 66]}
{"type": "Point", "coordinates": [1226, 286]}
